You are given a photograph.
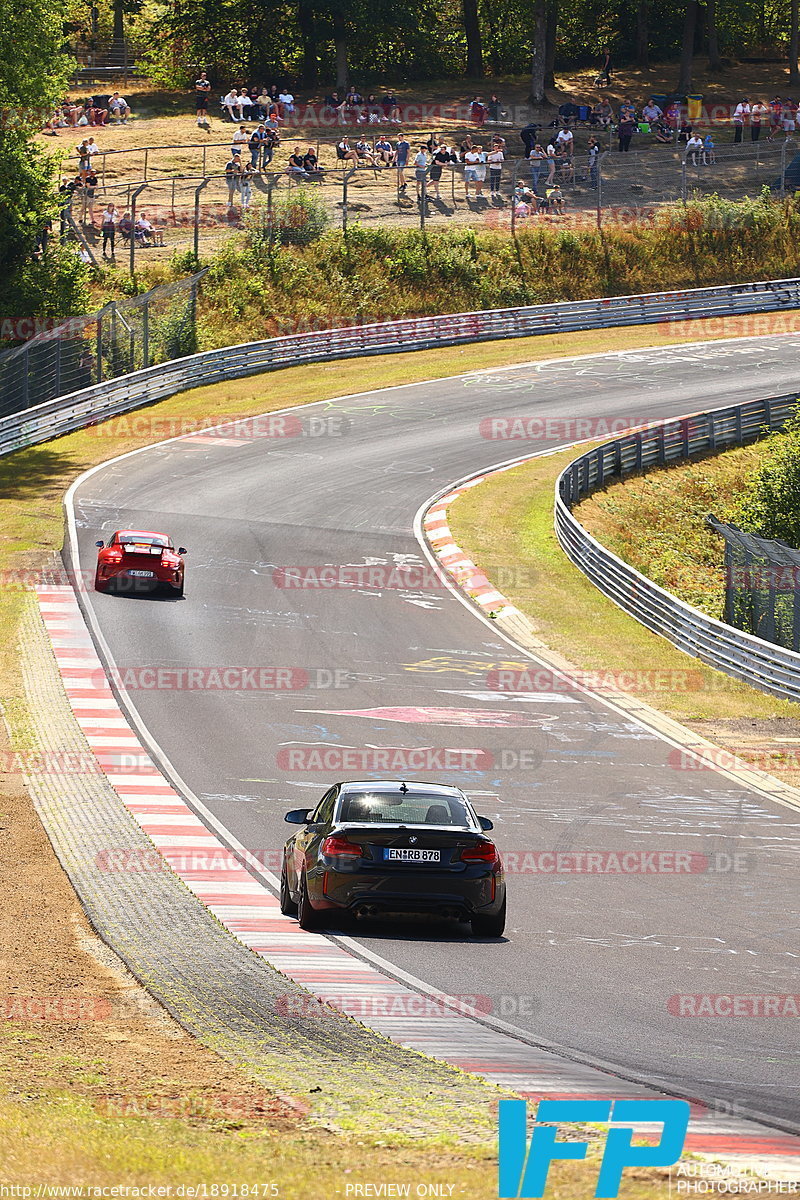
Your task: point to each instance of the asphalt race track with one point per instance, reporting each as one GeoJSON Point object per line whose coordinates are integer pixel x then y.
{"type": "Point", "coordinates": [590, 961]}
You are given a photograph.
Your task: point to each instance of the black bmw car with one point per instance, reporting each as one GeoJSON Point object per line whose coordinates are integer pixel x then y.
{"type": "Point", "coordinates": [389, 847]}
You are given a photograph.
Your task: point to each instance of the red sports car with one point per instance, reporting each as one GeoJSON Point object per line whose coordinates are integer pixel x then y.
{"type": "Point", "coordinates": [135, 560]}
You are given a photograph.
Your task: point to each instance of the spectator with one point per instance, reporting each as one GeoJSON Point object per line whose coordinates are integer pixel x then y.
{"type": "Point", "coordinates": [565, 141]}
{"type": "Point", "coordinates": [673, 115]}
{"type": "Point", "coordinates": [606, 65]}
{"type": "Point", "coordinates": [108, 228]}
{"type": "Point", "coordinates": [537, 158]}
{"type": "Point", "coordinates": [494, 108]}
{"type": "Point", "coordinates": [84, 160]}
{"type": "Point", "coordinates": [383, 151]}
{"type": "Point", "coordinates": [402, 149]}
{"type": "Point", "coordinates": [89, 192]}
{"type": "Point", "coordinates": [758, 112]}
{"type": "Point", "coordinates": [125, 227]}
{"type": "Point", "coordinates": [694, 148]}
{"type": "Point", "coordinates": [477, 111]}
{"type": "Point", "coordinates": [286, 100]}
{"type": "Point", "coordinates": [143, 230]}
{"type": "Point", "coordinates": [555, 199]}
{"type": "Point", "coordinates": [95, 111]}
{"type": "Point", "coordinates": [263, 103]}
{"type": "Point", "coordinates": [775, 116]}
{"type": "Point", "coordinates": [345, 153]}
{"type": "Point", "coordinates": [651, 112]}
{"type": "Point", "coordinates": [625, 132]}
{"type": "Point", "coordinates": [740, 115]}
{"type": "Point", "coordinates": [256, 144]}
{"type": "Point", "coordinates": [528, 136]}
{"type": "Point", "coordinates": [568, 113]}
{"type": "Point", "coordinates": [246, 185]}
{"type": "Point", "coordinates": [552, 163]}
{"type": "Point", "coordinates": [442, 156]}
{"type": "Point", "coordinates": [268, 145]}
{"type": "Point", "coordinates": [233, 103]}
{"type": "Point", "coordinates": [365, 152]}
{"type": "Point", "coordinates": [495, 159]}
{"type": "Point", "coordinates": [118, 107]}
{"type": "Point", "coordinates": [202, 92]}
{"type": "Point", "coordinates": [311, 163]}
{"type": "Point", "coordinates": [240, 139]}
{"type": "Point", "coordinates": [391, 109]}
{"type": "Point", "coordinates": [789, 117]}
{"type": "Point", "coordinates": [233, 171]}
{"type": "Point", "coordinates": [709, 155]}
{"type": "Point", "coordinates": [663, 133]}
{"type": "Point", "coordinates": [92, 147]}
{"type": "Point", "coordinates": [474, 170]}
{"type": "Point", "coordinates": [245, 104]}
{"type": "Point", "coordinates": [593, 152]}
{"type": "Point", "coordinates": [684, 133]}
{"type": "Point", "coordinates": [421, 170]}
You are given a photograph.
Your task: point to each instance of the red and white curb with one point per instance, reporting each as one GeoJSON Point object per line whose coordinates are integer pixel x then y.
{"type": "Point", "coordinates": [428, 1022]}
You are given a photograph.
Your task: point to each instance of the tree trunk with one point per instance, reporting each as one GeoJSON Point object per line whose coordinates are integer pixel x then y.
{"type": "Point", "coordinates": [550, 44]}
{"type": "Point", "coordinates": [642, 35]}
{"type": "Point", "coordinates": [539, 63]}
{"type": "Point", "coordinates": [472, 28]}
{"type": "Point", "coordinates": [118, 36]}
{"type": "Point", "coordinates": [794, 43]}
{"type": "Point", "coordinates": [714, 63]}
{"type": "Point", "coordinates": [340, 45]}
{"type": "Point", "coordinates": [307, 25]}
{"type": "Point", "coordinates": [687, 47]}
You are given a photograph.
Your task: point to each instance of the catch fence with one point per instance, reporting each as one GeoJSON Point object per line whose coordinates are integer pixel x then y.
{"type": "Point", "coordinates": [762, 595]}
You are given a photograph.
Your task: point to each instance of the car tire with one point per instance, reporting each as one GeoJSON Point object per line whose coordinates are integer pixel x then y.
{"type": "Point", "coordinates": [178, 591]}
{"type": "Point", "coordinates": [308, 917]}
{"type": "Point", "coordinates": [288, 906]}
{"type": "Point", "coordinates": [489, 927]}
{"type": "Point", "coordinates": [99, 585]}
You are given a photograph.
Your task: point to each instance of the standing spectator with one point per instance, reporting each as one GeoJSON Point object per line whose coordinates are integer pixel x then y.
{"type": "Point", "coordinates": [606, 65]}
{"type": "Point", "coordinates": [474, 170]}
{"type": "Point", "coordinates": [528, 136]}
{"type": "Point", "coordinates": [202, 92]}
{"type": "Point", "coordinates": [233, 171]}
{"type": "Point", "coordinates": [494, 108]}
{"type": "Point", "coordinates": [421, 170]}
{"type": "Point", "coordinates": [256, 144]}
{"type": "Point", "coordinates": [84, 160]}
{"type": "Point", "coordinates": [495, 159]}
{"type": "Point", "coordinates": [789, 117]}
{"type": "Point", "coordinates": [537, 158]}
{"type": "Point", "coordinates": [758, 112]}
{"type": "Point", "coordinates": [108, 228]}
{"type": "Point", "coordinates": [625, 133]}
{"type": "Point", "coordinates": [694, 148]}
{"type": "Point", "coordinates": [552, 163]}
{"type": "Point", "coordinates": [118, 107]}
{"type": "Point", "coordinates": [89, 192]}
{"type": "Point", "coordinates": [740, 115]}
{"type": "Point", "coordinates": [442, 155]}
{"type": "Point", "coordinates": [709, 156]}
{"type": "Point", "coordinates": [402, 149]}
{"type": "Point", "coordinates": [775, 115]}
{"type": "Point", "coordinates": [240, 139]}
{"type": "Point", "coordinates": [246, 185]}
{"type": "Point", "coordinates": [593, 151]}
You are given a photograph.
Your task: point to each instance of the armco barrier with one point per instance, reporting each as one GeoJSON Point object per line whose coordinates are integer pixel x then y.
{"type": "Point", "coordinates": [90, 405]}
{"type": "Point", "coordinates": [762, 664]}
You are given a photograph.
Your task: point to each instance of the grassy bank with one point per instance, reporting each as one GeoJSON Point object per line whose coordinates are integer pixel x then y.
{"type": "Point", "coordinates": [253, 290]}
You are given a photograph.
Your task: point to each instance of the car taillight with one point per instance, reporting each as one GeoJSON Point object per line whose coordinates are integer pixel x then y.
{"type": "Point", "coordinates": [483, 851]}
{"type": "Point", "coordinates": [113, 556]}
{"type": "Point", "coordinates": [340, 847]}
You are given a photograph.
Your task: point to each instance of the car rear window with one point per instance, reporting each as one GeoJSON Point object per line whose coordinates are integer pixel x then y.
{"type": "Point", "coordinates": [142, 543]}
{"type": "Point", "coordinates": [409, 809]}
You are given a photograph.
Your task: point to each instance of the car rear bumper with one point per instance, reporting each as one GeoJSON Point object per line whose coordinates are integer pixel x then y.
{"type": "Point", "coordinates": [438, 892]}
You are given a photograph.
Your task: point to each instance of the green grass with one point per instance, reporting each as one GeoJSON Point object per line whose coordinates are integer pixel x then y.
{"type": "Point", "coordinates": [509, 520]}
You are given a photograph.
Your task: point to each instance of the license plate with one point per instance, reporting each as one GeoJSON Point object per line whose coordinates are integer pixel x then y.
{"type": "Point", "coordinates": [409, 855]}
{"type": "Point", "coordinates": [142, 574]}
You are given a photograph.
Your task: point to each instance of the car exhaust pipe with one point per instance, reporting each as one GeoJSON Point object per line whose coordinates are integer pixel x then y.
{"type": "Point", "coordinates": [365, 911]}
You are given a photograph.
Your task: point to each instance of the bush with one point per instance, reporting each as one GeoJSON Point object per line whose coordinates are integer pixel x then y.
{"type": "Point", "coordinates": [770, 506]}
{"type": "Point", "coordinates": [297, 219]}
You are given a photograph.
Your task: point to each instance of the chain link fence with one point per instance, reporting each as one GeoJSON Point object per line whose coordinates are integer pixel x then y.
{"type": "Point", "coordinates": [124, 336]}
{"type": "Point", "coordinates": [762, 595]}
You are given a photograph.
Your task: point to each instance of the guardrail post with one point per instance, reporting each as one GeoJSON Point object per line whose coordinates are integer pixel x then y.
{"type": "Point", "coordinates": [423, 201]}
{"type": "Point", "coordinates": [146, 334]}
{"type": "Point", "coordinates": [99, 349]}
{"type": "Point", "coordinates": [134, 198]}
{"type": "Point", "coordinates": [345, 179]}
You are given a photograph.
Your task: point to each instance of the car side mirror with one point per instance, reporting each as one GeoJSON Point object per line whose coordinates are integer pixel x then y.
{"type": "Point", "coordinates": [182, 550]}
{"type": "Point", "coordinates": [298, 816]}
{"type": "Point", "coordinates": [99, 545]}
{"type": "Point", "coordinates": [485, 824]}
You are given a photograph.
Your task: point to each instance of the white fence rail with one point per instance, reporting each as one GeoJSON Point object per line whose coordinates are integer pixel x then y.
{"type": "Point", "coordinates": [90, 405]}
{"type": "Point", "coordinates": [762, 664]}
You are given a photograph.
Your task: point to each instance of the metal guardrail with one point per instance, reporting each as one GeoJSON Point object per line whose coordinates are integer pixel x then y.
{"type": "Point", "coordinates": [762, 664]}
{"type": "Point", "coordinates": [93, 404]}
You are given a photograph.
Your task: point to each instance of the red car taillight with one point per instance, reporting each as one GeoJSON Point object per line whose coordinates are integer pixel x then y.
{"type": "Point", "coordinates": [341, 847]}
{"type": "Point", "coordinates": [483, 851]}
{"type": "Point", "coordinates": [112, 556]}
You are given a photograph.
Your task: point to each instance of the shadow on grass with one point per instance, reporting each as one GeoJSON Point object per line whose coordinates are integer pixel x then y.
{"type": "Point", "coordinates": [27, 471]}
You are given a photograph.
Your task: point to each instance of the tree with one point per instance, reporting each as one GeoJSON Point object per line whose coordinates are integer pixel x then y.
{"type": "Point", "coordinates": [794, 43]}
{"type": "Point", "coordinates": [539, 56]}
{"type": "Point", "coordinates": [642, 34]}
{"type": "Point", "coordinates": [550, 44]}
{"type": "Point", "coordinates": [472, 30]}
{"type": "Point", "coordinates": [307, 24]}
{"type": "Point", "coordinates": [687, 47]}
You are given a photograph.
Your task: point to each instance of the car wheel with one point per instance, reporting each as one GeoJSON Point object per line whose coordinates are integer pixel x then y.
{"type": "Point", "coordinates": [288, 906]}
{"type": "Point", "coordinates": [489, 927]}
{"type": "Point", "coordinates": [309, 918]}
{"type": "Point", "coordinates": [100, 585]}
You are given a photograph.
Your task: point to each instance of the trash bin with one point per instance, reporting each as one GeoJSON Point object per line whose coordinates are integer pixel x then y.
{"type": "Point", "coordinates": [660, 100]}
{"type": "Point", "coordinates": [694, 105]}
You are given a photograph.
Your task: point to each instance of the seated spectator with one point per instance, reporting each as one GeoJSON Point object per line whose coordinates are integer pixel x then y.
{"type": "Point", "coordinates": [684, 133]}
{"type": "Point", "coordinates": [663, 133]}
{"type": "Point", "coordinates": [263, 103]}
{"type": "Point", "coordinates": [371, 111]}
{"type": "Point", "coordinates": [311, 163]}
{"type": "Point", "coordinates": [606, 113]}
{"type": "Point", "coordinates": [286, 100]}
{"type": "Point", "coordinates": [83, 118]}
{"type": "Point", "coordinates": [143, 230]}
{"type": "Point", "coordinates": [627, 111]}
{"type": "Point", "coordinates": [384, 153]}
{"type": "Point", "coordinates": [673, 115]}
{"type": "Point", "coordinates": [554, 200]}
{"type": "Point", "coordinates": [494, 109]}
{"type": "Point", "coordinates": [118, 107]}
{"type": "Point", "coordinates": [232, 102]}
{"type": "Point", "coordinates": [568, 112]}
{"type": "Point", "coordinates": [365, 152]}
{"type": "Point", "coordinates": [245, 104]}
{"type": "Point", "coordinates": [125, 227]}
{"type": "Point", "coordinates": [694, 148]}
{"type": "Point", "coordinates": [565, 140]}
{"type": "Point", "coordinates": [297, 164]}
{"type": "Point", "coordinates": [345, 153]}
{"type": "Point", "coordinates": [391, 109]}
{"type": "Point", "coordinates": [98, 115]}
{"type": "Point", "coordinates": [651, 112]}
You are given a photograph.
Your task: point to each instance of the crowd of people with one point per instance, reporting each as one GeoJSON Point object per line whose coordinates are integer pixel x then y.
{"type": "Point", "coordinates": [92, 110]}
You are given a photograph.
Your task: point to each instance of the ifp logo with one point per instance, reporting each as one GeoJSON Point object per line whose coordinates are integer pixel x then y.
{"type": "Point", "coordinates": [523, 1169]}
